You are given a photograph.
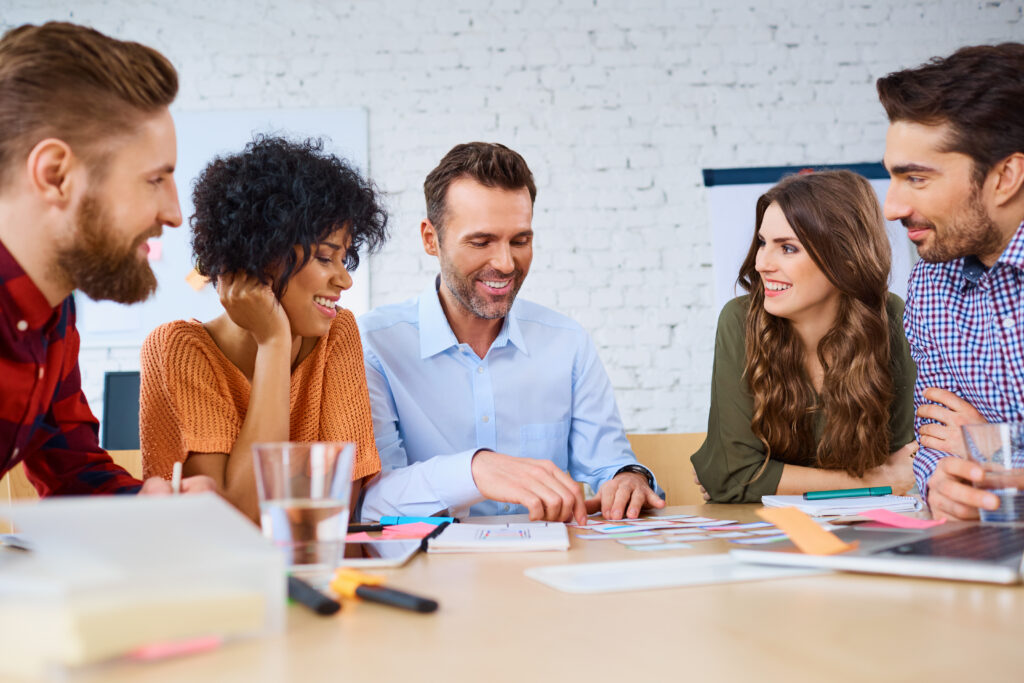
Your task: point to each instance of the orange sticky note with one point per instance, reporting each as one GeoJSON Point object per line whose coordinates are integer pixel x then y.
{"type": "Point", "coordinates": [195, 280]}
{"type": "Point", "coordinates": [805, 532]}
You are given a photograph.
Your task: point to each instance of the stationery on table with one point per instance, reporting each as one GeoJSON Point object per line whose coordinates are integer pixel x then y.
{"type": "Point", "coordinates": [804, 532]}
{"type": "Point", "coordinates": [611, 577]}
{"type": "Point", "coordinates": [849, 493]}
{"type": "Point", "coordinates": [509, 537]}
{"type": "Point", "coordinates": [843, 506]}
{"type": "Point", "coordinates": [351, 583]}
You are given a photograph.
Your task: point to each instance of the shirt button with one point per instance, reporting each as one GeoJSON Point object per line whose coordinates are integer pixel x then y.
{"type": "Point", "coordinates": [485, 419]}
{"type": "Point", "coordinates": [14, 453]}
{"type": "Point", "coordinates": [22, 325]}
{"type": "Point", "coordinates": [479, 369]}
{"type": "Point", "coordinates": [508, 508]}
{"type": "Point", "coordinates": [1008, 322]}
{"type": "Point", "coordinates": [41, 373]}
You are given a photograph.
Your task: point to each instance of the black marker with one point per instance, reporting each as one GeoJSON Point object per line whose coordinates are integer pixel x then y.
{"type": "Point", "coordinates": [301, 592]}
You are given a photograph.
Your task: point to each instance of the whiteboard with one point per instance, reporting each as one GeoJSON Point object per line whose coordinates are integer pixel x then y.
{"type": "Point", "coordinates": [733, 207]}
{"type": "Point", "coordinates": [201, 137]}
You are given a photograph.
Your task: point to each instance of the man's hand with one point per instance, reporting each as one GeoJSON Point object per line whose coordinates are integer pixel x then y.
{"type": "Point", "coordinates": [950, 490]}
{"type": "Point", "coordinates": [547, 492]}
{"type": "Point", "coordinates": [951, 413]}
{"type": "Point", "coordinates": [624, 494]}
{"type": "Point", "coordinates": [157, 486]}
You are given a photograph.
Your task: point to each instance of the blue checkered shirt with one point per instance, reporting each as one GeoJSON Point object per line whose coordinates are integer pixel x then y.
{"type": "Point", "coordinates": [965, 326]}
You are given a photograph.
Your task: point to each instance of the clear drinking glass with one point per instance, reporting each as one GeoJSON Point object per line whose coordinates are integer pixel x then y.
{"type": "Point", "coordinates": [304, 491]}
{"type": "Point", "coordinates": [999, 449]}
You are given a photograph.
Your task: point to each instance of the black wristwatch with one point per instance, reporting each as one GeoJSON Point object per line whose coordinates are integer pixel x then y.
{"type": "Point", "coordinates": [638, 469]}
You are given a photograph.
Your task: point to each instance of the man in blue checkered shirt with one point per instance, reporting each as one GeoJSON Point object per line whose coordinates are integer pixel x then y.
{"type": "Point", "coordinates": [955, 152]}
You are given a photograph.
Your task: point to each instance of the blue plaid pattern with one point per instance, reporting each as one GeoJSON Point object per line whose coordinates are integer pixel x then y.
{"type": "Point", "coordinates": [965, 326]}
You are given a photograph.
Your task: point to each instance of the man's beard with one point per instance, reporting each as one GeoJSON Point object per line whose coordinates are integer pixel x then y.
{"type": "Point", "coordinates": [970, 233]}
{"type": "Point", "coordinates": [464, 290]}
{"type": "Point", "coordinates": [95, 263]}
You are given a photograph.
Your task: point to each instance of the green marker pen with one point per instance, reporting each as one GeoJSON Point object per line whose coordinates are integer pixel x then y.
{"type": "Point", "coordinates": [848, 493]}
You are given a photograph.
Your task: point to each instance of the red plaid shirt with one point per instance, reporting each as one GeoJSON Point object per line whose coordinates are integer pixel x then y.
{"type": "Point", "coordinates": [45, 420]}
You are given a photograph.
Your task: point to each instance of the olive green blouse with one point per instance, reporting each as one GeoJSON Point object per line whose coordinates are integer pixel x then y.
{"type": "Point", "coordinates": [732, 455]}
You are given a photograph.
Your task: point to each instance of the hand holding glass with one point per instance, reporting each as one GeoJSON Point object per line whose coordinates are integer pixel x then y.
{"type": "Point", "coordinates": [999, 449]}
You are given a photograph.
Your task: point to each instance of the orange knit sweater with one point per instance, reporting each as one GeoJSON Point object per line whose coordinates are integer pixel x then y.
{"type": "Point", "coordinates": [194, 400]}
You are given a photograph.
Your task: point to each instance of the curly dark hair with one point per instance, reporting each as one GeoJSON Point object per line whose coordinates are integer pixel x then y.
{"type": "Point", "coordinates": [253, 208]}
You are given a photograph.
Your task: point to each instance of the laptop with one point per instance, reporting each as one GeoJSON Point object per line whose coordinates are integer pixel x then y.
{"type": "Point", "coordinates": [960, 551]}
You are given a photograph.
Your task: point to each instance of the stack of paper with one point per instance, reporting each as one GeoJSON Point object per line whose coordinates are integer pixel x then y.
{"type": "Point", "coordinates": [481, 538]}
{"type": "Point", "coordinates": [844, 506]}
{"type": "Point", "coordinates": [110, 574]}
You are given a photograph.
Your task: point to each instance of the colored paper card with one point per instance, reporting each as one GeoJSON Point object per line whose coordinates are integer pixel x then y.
{"type": "Point", "coordinates": [687, 537]}
{"type": "Point", "coordinates": [749, 525]}
{"type": "Point", "coordinates": [195, 280]}
{"type": "Point", "coordinates": [656, 518]}
{"type": "Point", "coordinates": [723, 527]}
{"type": "Point", "coordinates": [731, 534]}
{"type": "Point", "coordinates": [640, 541]}
{"type": "Point", "coordinates": [890, 518]}
{"type": "Point", "coordinates": [414, 530]}
{"type": "Point", "coordinates": [764, 532]}
{"type": "Point", "coordinates": [361, 536]}
{"type": "Point", "coordinates": [804, 532]}
{"type": "Point", "coordinates": [660, 546]}
{"type": "Point", "coordinates": [758, 540]}
{"type": "Point", "coordinates": [614, 537]}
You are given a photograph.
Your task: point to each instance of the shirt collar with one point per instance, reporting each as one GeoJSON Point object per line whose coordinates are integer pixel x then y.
{"type": "Point", "coordinates": [436, 333]}
{"type": "Point", "coordinates": [972, 269]}
{"type": "Point", "coordinates": [24, 301]}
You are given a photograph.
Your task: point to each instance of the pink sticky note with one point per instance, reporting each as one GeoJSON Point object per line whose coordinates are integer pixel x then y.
{"type": "Point", "coordinates": [890, 518]}
{"type": "Point", "coordinates": [415, 530]}
{"type": "Point", "coordinates": [156, 249]}
{"type": "Point", "coordinates": [361, 536]}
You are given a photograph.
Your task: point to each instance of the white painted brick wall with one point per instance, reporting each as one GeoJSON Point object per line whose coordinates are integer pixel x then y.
{"type": "Point", "coordinates": [616, 106]}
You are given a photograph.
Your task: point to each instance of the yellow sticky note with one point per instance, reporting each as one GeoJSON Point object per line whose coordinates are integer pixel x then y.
{"type": "Point", "coordinates": [195, 280]}
{"type": "Point", "coordinates": [805, 532]}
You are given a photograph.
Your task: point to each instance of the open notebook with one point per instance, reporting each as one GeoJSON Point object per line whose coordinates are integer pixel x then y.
{"type": "Point", "coordinates": [844, 506]}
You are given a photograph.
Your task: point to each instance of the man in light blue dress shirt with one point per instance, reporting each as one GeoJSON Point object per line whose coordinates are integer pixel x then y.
{"type": "Point", "coordinates": [483, 404]}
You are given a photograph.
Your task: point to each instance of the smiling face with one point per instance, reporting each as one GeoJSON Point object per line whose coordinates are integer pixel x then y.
{"type": "Point", "coordinates": [934, 194]}
{"type": "Point", "coordinates": [311, 297]}
{"type": "Point", "coordinates": [794, 286]}
{"type": "Point", "coordinates": [484, 249]}
{"type": "Point", "coordinates": [106, 256]}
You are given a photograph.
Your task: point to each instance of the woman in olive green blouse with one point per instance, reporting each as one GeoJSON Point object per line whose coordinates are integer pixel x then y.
{"type": "Point", "coordinates": [813, 383]}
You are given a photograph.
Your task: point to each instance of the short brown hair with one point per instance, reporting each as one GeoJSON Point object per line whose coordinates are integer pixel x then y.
{"type": "Point", "coordinates": [73, 83]}
{"type": "Point", "coordinates": [978, 91]}
{"type": "Point", "coordinates": [489, 163]}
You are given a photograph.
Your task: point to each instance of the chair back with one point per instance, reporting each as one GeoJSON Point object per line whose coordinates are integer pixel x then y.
{"type": "Point", "coordinates": [668, 456]}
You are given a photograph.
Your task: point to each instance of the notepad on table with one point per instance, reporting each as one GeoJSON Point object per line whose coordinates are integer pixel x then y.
{"type": "Point", "coordinates": [481, 538]}
{"type": "Point", "coordinates": [844, 506]}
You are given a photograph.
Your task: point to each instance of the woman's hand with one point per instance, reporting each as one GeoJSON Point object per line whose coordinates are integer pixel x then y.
{"type": "Point", "coordinates": [252, 306]}
{"type": "Point", "coordinates": [897, 471]}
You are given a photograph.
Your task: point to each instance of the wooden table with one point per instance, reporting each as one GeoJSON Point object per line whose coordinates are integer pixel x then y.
{"type": "Point", "coordinates": [495, 625]}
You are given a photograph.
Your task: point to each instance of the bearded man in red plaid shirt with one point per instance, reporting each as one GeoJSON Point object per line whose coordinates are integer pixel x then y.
{"type": "Point", "coordinates": [955, 152]}
{"type": "Point", "coordinates": [87, 154]}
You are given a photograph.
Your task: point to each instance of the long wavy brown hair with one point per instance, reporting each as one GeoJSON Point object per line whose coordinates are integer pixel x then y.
{"type": "Point", "coordinates": [836, 217]}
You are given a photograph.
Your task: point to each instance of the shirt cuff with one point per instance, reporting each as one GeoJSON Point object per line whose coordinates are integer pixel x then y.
{"type": "Point", "coordinates": [925, 462]}
{"type": "Point", "coordinates": [453, 478]}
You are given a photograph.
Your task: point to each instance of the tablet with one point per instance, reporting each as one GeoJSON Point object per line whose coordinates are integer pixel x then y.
{"type": "Point", "coordinates": [379, 553]}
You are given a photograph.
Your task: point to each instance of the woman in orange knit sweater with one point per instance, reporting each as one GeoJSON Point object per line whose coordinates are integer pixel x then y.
{"type": "Point", "coordinates": [276, 228]}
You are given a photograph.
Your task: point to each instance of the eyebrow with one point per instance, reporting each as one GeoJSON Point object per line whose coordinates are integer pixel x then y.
{"type": "Point", "coordinates": [332, 245]}
{"type": "Point", "coordinates": [165, 169]}
{"type": "Point", "coordinates": [904, 169]}
{"type": "Point", "coordinates": [779, 240]}
{"type": "Point", "coordinates": [490, 235]}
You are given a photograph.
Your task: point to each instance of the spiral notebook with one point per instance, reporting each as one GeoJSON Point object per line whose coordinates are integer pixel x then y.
{"type": "Point", "coordinates": [844, 506]}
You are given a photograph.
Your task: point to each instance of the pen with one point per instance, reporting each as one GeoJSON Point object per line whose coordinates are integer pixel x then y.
{"type": "Point", "coordinates": [355, 528]}
{"type": "Point", "coordinates": [433, 534]}
{"type": "Point", "coordinates": [391, 521]}
{"type": "Point", "coordinates": [303, 593]}
{"type": "Point", "coordinates": [848, 493]}
{"type": "Point", "coordinates": [176, 478]}
{"type": "Point", "coordinates": [350, 583]}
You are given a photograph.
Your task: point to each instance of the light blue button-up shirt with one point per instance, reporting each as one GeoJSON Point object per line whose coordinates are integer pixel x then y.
{"type": "Point", "coordinates": [539, 392]}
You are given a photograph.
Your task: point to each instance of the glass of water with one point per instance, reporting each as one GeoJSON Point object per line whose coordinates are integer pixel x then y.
{"type": "Point", "coordinates": [304, 491]}
{"type": "Point", "coordinates": [999, 449]}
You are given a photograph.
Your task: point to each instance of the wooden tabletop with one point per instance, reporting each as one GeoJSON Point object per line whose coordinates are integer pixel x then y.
{"type": "Point", "coordinates": [495, 624]}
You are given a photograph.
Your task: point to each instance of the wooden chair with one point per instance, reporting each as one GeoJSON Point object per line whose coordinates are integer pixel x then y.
{"type": "Point", "coordinates": [668, 456]}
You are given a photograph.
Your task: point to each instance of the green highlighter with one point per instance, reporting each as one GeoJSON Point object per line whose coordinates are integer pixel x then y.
{"type": "Point", "coordinates": [848, 493]}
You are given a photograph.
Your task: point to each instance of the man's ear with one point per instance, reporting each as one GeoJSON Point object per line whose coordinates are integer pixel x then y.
{"type": "Point", "coordinates": [431, 240]}
{"type": "Point", "coordinates": [49, 167]}
{"type": "Point", "coordinates": [1009, 178]}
